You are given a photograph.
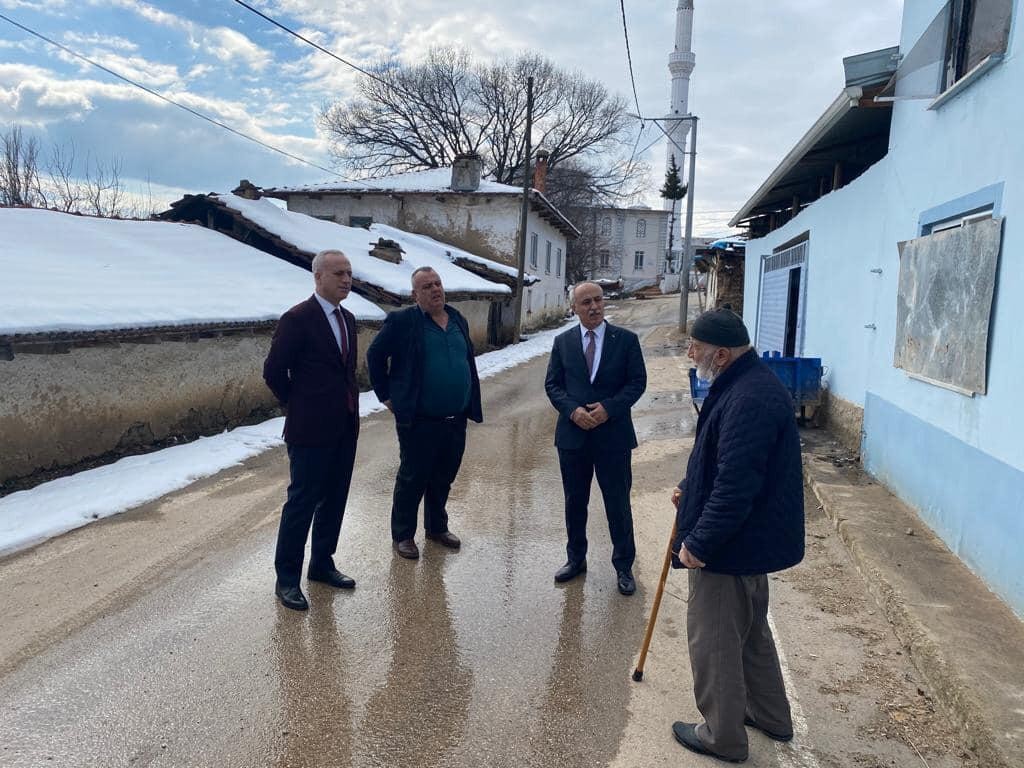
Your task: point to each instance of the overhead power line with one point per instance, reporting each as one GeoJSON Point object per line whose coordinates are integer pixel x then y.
{"type": "Point", "coordinates": [629, 57]}
{"type": "Point", "coordinates": [316, 45]}
{"type": "Point", "coordinates": [160, 96]}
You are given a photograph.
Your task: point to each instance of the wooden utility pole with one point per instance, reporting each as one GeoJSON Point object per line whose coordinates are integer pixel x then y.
{"type": "Point", "coordinates": [527, 184]}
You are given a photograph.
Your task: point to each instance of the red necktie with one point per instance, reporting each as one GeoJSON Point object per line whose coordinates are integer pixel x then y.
{"type": "Point", "coordinates": [343, 335]}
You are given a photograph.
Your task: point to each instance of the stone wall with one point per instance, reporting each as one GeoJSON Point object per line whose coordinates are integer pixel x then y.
{"type": "Point", "coordinates": [845, 420]}
{"type": "Point", "coordinates": [63, 403]}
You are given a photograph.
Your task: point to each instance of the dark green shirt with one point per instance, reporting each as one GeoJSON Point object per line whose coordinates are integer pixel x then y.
{"type": "Point", "coordinates": [446, 378]}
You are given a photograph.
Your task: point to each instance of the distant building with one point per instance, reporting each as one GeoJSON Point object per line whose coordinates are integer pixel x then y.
{"type": "Point", "coordinates": [887, 243]}
{"type": "Point", "coordinates": [625, 244]}
{"type": "Point", "coordinates": [383, 257]}
{"type": "Point", "coordinates": [456, 206]}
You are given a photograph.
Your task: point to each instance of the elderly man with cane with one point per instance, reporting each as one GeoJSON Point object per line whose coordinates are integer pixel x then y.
{"type": "Point", "coordinates": [739, 517]}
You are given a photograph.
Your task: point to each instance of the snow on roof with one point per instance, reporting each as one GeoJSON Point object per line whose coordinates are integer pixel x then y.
{"type": "Point", "coordinates": [63, 272]}
{"type": "Point", "coordinates": [431, 180]}
{"type": "Point", "coordinates": [312, 235]}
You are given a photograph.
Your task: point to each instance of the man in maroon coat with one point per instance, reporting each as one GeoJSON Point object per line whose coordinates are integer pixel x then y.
{"type": "Point", "coordinates": [311, 369]}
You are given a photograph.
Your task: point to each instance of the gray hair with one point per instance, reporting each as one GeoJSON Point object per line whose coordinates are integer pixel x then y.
{"type": "Point", "coordinates": [572, 291]}
{"type": "Point", "coordinates": [412, 278]}
{"type": "Point", "coordinates": [318, 260]}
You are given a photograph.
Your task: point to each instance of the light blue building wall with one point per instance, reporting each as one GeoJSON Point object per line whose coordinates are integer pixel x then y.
{"type": "Point", "coordinates": [958, 459]}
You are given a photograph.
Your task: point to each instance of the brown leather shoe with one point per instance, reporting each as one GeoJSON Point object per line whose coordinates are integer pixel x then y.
{"type": "Point", "coordinates": [445, 539]}
{"type": "Point", "coordinates": [407, 548]}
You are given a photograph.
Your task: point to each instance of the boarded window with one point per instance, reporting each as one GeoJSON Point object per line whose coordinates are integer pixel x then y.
{"type": "Point", "coordinates": [944, 305]}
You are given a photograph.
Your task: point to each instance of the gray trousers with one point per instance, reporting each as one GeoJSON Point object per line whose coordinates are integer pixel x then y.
{"type": "Point", "coordinates": [736, 672]}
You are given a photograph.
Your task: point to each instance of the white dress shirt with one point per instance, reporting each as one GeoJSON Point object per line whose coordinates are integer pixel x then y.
{"type": "Point", "coordinates": [332, 319]}
{"type": "Point", "coordinates": [598, 346]}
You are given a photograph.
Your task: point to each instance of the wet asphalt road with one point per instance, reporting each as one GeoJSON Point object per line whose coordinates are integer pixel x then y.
{"type": "Point", "coordinates": [153, 638]}
{"type": "Point", "coordinates": [463, 658]}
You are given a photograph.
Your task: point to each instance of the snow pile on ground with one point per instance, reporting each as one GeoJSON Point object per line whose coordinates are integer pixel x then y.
{"type": "Point", "coordinates": [312, 235]}
{"type": "Point", "coordinates": [29, 517]}
{"type": "Point", "coordinates": [60, 272]}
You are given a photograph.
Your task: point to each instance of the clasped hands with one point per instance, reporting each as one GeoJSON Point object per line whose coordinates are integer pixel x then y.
{"type": "Point", "coordinates": [589, 416]}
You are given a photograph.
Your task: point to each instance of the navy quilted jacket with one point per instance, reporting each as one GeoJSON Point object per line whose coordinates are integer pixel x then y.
{"type": "Point", "coordinates": [742, 509]}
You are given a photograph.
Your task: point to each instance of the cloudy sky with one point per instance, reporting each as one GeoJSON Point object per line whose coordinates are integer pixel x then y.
{"type": "Point", "coordinates": [765, 71]}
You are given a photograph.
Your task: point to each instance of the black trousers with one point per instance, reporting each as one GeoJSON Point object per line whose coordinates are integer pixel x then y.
{"type": "Point", "coordinates": [615, 478]}
{"type": "Point", "coordinates": [430, 456]}
{"type": "Point", "coordinates": [317, 493]}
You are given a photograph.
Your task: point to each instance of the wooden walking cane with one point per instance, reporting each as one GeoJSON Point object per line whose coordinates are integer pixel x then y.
{"type": "Point", "coordinates": [638, 673]}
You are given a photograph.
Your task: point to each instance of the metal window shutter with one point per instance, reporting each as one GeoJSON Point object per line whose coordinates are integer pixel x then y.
{"type": "Point", "coordinates": [771, 324]}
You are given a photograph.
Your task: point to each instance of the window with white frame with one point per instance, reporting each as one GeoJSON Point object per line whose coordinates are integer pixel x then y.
{"type": "Point", "coordinates": [641, 228]}
{"type": "Point", "coordinates": [604, 257]}
{"type": "Point", "coordinates": [547, 258]}
{"type": "Point", "coordinates": [638, 261]}
{"type": "Point", "coordinates": [558, 262]}
{"type": "Point", "coordinates": [606, 227]}
{"type": "Point", "coordinates": [533, 250]}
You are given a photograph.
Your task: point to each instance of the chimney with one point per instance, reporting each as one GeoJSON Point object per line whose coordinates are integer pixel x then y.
{"type": "Point", "coordinates": [388, 250]}
{"type": "Point", "coordinates": [466, 170]}
{"type": "Point", "coordinates": [540, 171]}
{"type": "Point", "coordinates": [247, 189]}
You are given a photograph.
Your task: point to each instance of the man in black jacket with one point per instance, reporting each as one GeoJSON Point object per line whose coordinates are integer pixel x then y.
{"type": "Point", "coordinates": [595, 375]}
{"type": "Point", "coordinates": [423, 369]}
{"type": "Point", "coordinates": [740, 516]}
{"type": "Point", "coordinates": [311, 369]}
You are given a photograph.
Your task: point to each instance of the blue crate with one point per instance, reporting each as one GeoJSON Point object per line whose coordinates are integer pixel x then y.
{"type": "Point", "coordinates": [800, 375]}
{"type": "Point", "coordinates": [698, 388]}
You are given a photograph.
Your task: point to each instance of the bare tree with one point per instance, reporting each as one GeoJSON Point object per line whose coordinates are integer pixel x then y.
{"type": "Point", "coordinates": [67, 190]}
{"type": "Point", "coordinates": [104, 192]}
{"type": "Point", "coordinates": [421, 116]}
{"type": "Point", "coordinates": [19, 169]}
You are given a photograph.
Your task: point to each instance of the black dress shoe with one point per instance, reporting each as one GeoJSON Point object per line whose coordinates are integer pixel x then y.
{"type": "Point", "coordinates": [776, 736]}
{"type": "Point", "coordinates": [686, 734]}
{"type": "Point", "coordinates": [334, 577]}
{"type": "Point", "coordinates": [407, 548]}
{"type": "Point", "coordinates": [445, 539]}
{"type": "Point", "coordinates": [291, 597]}
{"type": "Point", "coordinates": [570, 571]}
{"type": "Point", "coordinates": [627, 584]}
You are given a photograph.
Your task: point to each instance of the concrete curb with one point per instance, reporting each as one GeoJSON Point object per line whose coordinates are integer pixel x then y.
{"type": "Point", "coordinates": [843, 501]}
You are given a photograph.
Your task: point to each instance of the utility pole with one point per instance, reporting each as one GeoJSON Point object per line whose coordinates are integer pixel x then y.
{"type": "Point", "coordinates": [686, 264]}
{"type": "Point", "coordinates": [527, 184]}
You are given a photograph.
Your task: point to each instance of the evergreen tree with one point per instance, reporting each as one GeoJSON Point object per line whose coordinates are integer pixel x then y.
{"type": "Point", "coordinates": [673, 190]}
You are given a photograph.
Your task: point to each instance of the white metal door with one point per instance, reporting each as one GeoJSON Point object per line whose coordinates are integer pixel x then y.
{"type": "Point", "coordinates": [774, 314]}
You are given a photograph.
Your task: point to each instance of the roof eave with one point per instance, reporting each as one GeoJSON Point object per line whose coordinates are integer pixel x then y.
{"type": "Point", "coordinates": [848, 99]}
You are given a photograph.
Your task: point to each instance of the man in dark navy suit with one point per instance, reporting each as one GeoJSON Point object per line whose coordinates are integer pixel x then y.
{"type": "Point", "coordinates": [595, 375]}
{"type": "Point", "coordinates": [422, 368]}
{"type": "Point", "coordinates": [311, 369]}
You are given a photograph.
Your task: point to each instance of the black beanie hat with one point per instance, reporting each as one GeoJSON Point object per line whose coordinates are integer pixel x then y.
{"type": "Point", "coordinates": [721, 328]}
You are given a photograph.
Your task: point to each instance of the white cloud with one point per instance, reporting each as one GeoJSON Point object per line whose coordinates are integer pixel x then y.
{"type": "Point", "coordinates": [101, 41]}
{"type": "Point", "coordinates": [225, 44]}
